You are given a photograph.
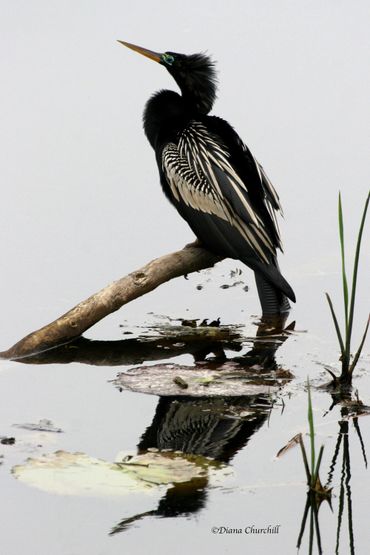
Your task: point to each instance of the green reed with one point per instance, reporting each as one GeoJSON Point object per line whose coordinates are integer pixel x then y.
{"type": "Point", "coordinates": [349, 296]}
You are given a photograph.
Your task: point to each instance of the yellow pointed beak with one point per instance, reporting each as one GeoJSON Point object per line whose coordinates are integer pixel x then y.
{"type": "Point", "coordinates": [144, 51]}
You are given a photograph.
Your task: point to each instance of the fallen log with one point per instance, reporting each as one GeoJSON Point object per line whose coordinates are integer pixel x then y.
{"type": "Point", "coordinates": [83, 316]}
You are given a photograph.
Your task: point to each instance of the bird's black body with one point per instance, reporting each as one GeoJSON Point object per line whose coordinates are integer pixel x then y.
{"type": "Point", "coordinates": [212, 178]}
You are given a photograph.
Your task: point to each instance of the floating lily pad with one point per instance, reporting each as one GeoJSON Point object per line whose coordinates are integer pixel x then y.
{"type": "Point", "coordinates": [67, 473]}
{"type": "Point", "coordinates": [169, 379]}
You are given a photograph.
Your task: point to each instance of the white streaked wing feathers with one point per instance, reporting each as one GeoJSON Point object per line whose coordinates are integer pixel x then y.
{"type": "Point", "coordinates": [189, 172]}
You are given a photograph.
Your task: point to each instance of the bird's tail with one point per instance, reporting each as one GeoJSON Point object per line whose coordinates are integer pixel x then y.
{"type": "Point", "coordinates": [272, 275]}
{"type": "Point", "coordinates": [273, 301]}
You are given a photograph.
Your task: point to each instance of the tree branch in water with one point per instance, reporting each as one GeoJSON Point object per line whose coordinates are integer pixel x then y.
{"type": "Point", "coordinates": [83, 316]}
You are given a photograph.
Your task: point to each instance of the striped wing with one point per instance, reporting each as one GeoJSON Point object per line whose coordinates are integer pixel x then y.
{"type": "Point", "coordinates": [200, 175]}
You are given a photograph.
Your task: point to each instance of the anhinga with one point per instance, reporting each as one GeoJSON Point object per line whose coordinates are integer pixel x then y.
{"type": "Point", "coordinates": [211, 177]}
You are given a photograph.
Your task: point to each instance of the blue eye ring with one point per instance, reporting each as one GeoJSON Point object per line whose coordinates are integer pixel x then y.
{"type": "Point", "coordinates": [168, 59]}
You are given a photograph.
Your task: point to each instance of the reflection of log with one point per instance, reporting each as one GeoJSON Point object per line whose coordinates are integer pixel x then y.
{"type": "Point", "coordinates": [190, 259]}
{"type": "Point", "coordinates": [135, 350]}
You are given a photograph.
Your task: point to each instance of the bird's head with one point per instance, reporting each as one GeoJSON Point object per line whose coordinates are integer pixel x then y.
{"type": "Point", "coordinates": [195, 75]}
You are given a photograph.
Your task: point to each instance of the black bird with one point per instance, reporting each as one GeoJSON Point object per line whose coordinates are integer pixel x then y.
{"type": "Point", "coordinates": [211, 177]}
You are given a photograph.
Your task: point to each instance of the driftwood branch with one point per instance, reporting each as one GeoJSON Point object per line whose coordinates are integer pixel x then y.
{"type": "Point", "coordinates": [83, 316]}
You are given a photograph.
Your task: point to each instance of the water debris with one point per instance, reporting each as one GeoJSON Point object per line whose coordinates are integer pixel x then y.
{"type": "Point", "coordinates": [235, 284]}
{"type": "Point", "coordinates": [206, 381]}
{"type": "Point", "coordinates": [204, 323]}
{"type": "Point", "coordinates": [167, 327]}
{"type": "Point", "coordinates": [178, 380]}
{"type": "Point", "coordinates": [189, 323]}
{"type": "Point", "coordinates": [7, 440]}
{"type": "Point", "coordinates": [291, 443]}
{"type": "Point", "coordinates": [236, 272]}
{"type": "Point", "coordinates": [231, 279]}
{"type": "Point", "coordinates": [44, 425]}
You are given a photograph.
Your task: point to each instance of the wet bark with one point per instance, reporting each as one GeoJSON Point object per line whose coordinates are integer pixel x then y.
{"type": "Point", "coordinates": [83, 316]}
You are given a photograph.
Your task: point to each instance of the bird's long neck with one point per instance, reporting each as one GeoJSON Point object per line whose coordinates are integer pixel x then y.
{"type": "Point", "coordinates": [166, 113]}
{"type": "Point", "coordinates": [198, 94]}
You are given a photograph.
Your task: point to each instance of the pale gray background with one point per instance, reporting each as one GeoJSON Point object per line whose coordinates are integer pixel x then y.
{"type": "Point", "coordinates": [81, 204]}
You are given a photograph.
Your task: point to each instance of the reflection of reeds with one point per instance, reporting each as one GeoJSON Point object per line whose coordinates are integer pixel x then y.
{"type": "Point", "coordinates": [316, 492]}
{"type": "Point", "coordinates": [345, 487]}
{"type": "Point", "coordinates": [345, 477]}
{"type": "Point", "coordinates": [349, 297]}
{"type": "Point", "coordinates": [312, 473]}
{"type": "Point", "coordinates": [351, 409]}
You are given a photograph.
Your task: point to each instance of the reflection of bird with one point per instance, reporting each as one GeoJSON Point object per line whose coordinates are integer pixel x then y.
{"type": "Point", "coordinates": [211, 427]}
{"type": "Point", "coordinates": [215, 428]}
{"type": "Point", "coordinates": [211, 177]}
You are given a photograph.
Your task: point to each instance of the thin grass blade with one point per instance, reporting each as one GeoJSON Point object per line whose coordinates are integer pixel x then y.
{"type": "Point", "coordinates": [354, 278]}
{"type": "Point", "coordinates": [337, 329]}
{"type": "Point", "coordinates": [344, 275]}
{"type": "Point", "coordinates": [305, 461]}
{"type": "Point", "coordinates": [357, 355]}
{"type": "Point", "coordinates": [317, 469]}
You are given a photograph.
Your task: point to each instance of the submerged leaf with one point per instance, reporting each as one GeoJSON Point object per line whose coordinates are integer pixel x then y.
{"type": "Point", "coordinates": [77, 474]}
{"type": "Point", "coordinates": [44, 425]}
{"type": "Point", "coordinates": [67, 473]}
{"type": "Point", "coordinates": [227, 380]}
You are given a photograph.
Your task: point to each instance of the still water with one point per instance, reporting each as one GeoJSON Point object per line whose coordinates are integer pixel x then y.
{"type": "Point", "coordinates": [73, 388]}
